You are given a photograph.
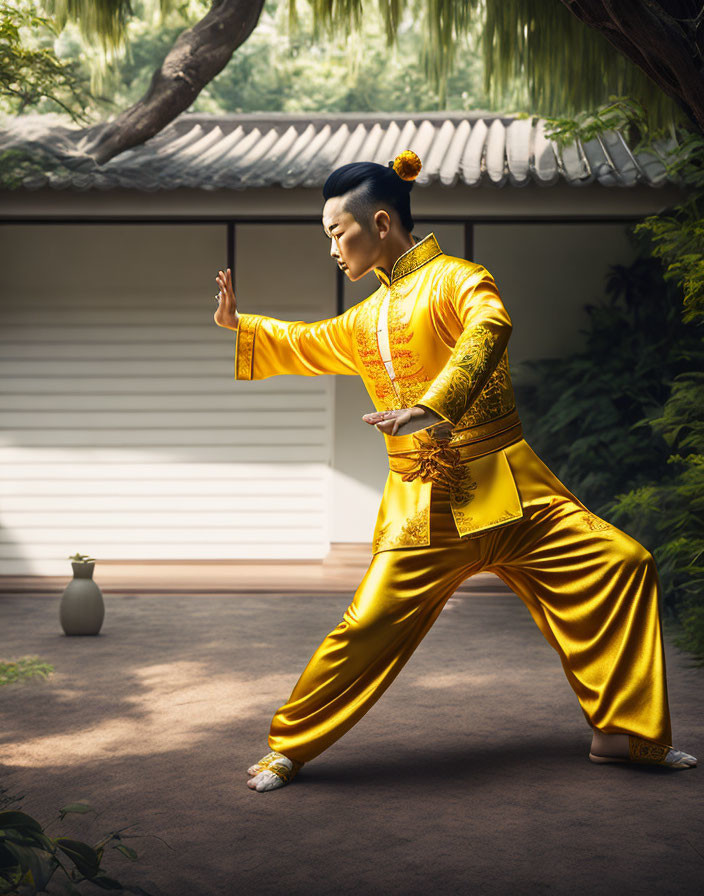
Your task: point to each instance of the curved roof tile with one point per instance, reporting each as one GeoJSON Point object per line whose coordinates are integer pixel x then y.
{"type": "Point", "coordinates": [259, 150]}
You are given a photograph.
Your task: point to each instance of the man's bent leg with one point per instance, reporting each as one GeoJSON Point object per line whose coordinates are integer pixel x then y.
{"type": "Point", "coordinates": [399, 598]}
{"type": "Point", "coordinates": [593, 591]}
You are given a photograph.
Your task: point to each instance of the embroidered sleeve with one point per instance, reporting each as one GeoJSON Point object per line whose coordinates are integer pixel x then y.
{"type": "Point", "coordinates": [473, 306]}
{"type": "Point", "coordinates": [269, 347]}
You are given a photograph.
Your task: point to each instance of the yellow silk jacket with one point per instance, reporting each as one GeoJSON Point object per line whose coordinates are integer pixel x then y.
{"type": "Point", "coordinates": [433, 334]}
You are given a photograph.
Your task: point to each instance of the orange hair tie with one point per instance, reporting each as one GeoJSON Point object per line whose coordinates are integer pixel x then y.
{"type": "Point", "coordinates": [407, 165]}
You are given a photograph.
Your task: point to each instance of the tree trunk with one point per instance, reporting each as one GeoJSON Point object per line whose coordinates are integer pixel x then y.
{"type": "Point", "coordinates": [198, 55]}
{"type": "Point", "coordinates": [664, 39]}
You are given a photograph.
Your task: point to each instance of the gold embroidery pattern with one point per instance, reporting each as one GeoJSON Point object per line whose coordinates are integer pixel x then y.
{"type": "Point", "coordinates": [414, 529]}
{"type": "Point", "coordinates": [418, 255]}
{"type": "Point", "coordinates": [454, 391]}
{"type": "Point", "coordinates": [270, 757]}
{"type": "Point", "coordinates": [594, 523]}
{"type": "Point", "coordinates": [380, 537]}
{"type": "Point", "coordinates": [462, 492]}
{"type": "Point", "coordinates": [495, 399]}
{"type": "Point", "coordinates": [275, 762]}
{"type": "Point", "coordinates": [644, 751]}
{"type": "Point", "coordinates": [412, 391]}
{"type": "Point", "coordinates": [412, 533]}
{"type": "Point", "coordinates": [272, 762]}
{"type": "Point", "coordinates": [465, 519]}
{"type": "Point", "coordinates": [244, 360]}
{"type": "Point", "coordinates": [368, 349]}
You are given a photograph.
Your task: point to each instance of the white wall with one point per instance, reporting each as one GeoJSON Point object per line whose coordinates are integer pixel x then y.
{"type": "Point", "coordinates": [124, 434]}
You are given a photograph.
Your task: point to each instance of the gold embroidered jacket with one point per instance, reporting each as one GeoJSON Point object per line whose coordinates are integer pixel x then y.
{"type": "Point", "coordinates": [433, 334]}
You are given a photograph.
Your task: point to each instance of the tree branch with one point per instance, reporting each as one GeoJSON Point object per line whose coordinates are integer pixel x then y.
{"type": "Point", "coordinates": [654, 40]}
{"type": "Point", "coordinates": [198, 55]}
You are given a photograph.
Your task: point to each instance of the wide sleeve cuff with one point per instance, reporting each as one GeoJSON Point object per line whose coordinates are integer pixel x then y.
{"type": "Point", "coordinates": [244, 345]}
{"type": "Point", "coordinates": [436, 408]}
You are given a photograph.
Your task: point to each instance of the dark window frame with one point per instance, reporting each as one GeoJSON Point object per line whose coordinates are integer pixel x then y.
{"type": "Point", "coordinates": [230, 223]}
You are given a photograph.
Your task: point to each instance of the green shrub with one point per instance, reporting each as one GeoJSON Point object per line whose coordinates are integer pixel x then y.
{"type": "Point", "coordinates": [589, 415]}
{"type": "Point", "coordinates": [622, 423]}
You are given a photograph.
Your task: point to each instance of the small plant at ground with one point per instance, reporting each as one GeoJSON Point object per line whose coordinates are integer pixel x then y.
{"type": "Point", "coordinates": [29, 858]}
{"type": "Point", "coordinates": [12, 671]}
{"type": "Point", "coordinates": [81, 558]}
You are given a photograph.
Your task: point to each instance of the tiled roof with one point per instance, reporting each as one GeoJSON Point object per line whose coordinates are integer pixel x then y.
{"type": "Point", "coordinates": [214, 152]}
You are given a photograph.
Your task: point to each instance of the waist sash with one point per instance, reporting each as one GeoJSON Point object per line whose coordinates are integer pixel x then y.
{"type": "Point", "coordinates": [471, 466]}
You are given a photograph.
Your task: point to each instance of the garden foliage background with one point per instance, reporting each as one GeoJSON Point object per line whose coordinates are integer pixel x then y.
{"type": "Point", "coordinates": [622, 422]}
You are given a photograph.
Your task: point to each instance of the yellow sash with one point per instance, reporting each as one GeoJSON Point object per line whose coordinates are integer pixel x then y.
{"type": "Point", "coordinates": [471, 465]}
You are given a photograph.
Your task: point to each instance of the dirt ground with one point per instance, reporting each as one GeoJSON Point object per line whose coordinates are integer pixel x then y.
{"type": "Point", "coordinates": [469, 776]}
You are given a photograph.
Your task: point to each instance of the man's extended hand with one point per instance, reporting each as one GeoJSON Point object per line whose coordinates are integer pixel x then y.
{"type": "Point", "coordinates": [408, 420]}
{"type": "Point", "coordinates": [226, 314]}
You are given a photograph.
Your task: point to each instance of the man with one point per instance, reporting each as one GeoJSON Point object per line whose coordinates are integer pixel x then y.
{"type": "Point", "coordinates": [465, 492]}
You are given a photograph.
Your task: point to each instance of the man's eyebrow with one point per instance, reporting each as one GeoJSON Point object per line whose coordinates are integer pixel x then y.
{"type": "Point", "coordinates": [329, 230]}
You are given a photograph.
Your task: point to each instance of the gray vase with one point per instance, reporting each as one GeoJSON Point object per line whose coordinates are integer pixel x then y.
{"type": "Point", "coordinates": [81, 610]}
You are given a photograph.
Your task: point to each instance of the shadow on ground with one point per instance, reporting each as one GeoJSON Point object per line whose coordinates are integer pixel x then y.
{"type": "Point", "coordinates": [469, 776]}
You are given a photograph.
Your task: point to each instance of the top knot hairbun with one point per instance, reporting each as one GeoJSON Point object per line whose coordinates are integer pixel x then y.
{"type": "Point", "coordinates": [407, 165]}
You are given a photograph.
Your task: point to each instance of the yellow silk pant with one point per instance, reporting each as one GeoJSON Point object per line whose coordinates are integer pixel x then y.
{"type": "Point", "coordinates": [592, 590]}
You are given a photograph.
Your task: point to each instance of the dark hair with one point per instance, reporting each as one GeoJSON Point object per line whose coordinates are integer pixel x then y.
{"type": "Point", "coordinates": [372, 184]}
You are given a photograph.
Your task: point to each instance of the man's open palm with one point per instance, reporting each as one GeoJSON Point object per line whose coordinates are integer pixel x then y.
{"type": "Point", "coordinates": [226, 314]}
{"type": "Point", "coordinates": [405, 421]}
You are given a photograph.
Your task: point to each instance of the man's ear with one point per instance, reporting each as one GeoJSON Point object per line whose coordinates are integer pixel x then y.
{"type": "Point", "coordinates": [382, 222]}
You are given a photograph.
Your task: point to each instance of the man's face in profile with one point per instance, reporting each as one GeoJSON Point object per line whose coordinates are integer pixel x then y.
{"type": "Point", "coordinates": [354, 247]}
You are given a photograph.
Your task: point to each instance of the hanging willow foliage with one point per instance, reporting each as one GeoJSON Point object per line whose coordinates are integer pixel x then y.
{"type": "Point", "coordinates": [105, 20]}
{"type": "Point", "coordinates": [560, 65]}
{"type": "Point", "coordinates": [442, 23]}
{"type": "Point", "coordinates": [536, 51]}
{"type": "Point", "coordinates": [565, 65]}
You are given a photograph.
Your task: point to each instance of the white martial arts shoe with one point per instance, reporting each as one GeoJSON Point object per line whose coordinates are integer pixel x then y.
{"type": "Point", "coordinates": [272, 771]}
{"type": "Point", "coordinates": [646, 752]}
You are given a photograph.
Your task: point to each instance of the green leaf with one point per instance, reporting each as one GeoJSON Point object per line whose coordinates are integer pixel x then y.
{"type": "Point", "coordinates": [26, 837]}
{"type": "Point", "coordinates": [8, 885]}
{"type": "Point", "coordinates": [84, 857]}
{"type": "Point", "coordinates": [127, 851]}
{"type": "Point", "coordinates": [41, 865]}
{"type": "Point", "coordinates": [14, 819]}
{"type": "Point", "coordinates": [79, 808]}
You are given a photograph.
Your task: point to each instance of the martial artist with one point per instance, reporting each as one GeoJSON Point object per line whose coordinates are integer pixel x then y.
{"type": "Point", "coordinates": [465, 492]}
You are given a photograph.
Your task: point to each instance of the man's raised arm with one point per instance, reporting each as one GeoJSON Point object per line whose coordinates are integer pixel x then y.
{"type": "Point", "coordinates": [269, 347]}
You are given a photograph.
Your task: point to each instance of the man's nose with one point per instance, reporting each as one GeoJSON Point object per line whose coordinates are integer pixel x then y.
{"type": "Point", "coordinates": [333, 249]}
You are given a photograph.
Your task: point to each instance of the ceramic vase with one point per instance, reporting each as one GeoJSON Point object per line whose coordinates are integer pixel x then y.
{"type": "Point", "coordinates": [81, 609]}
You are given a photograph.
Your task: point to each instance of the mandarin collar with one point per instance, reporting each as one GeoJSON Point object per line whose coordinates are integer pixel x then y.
{"type": "Point", "coordinates": [419, 254]}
